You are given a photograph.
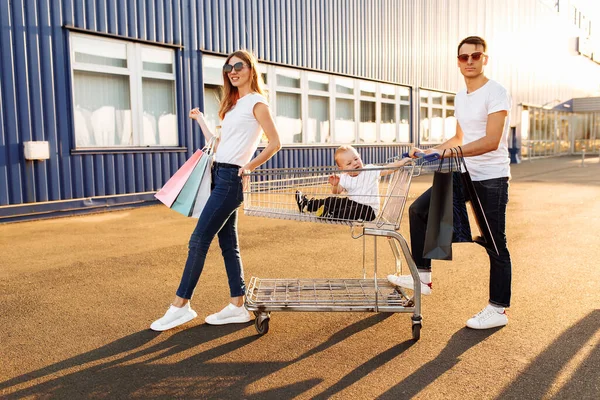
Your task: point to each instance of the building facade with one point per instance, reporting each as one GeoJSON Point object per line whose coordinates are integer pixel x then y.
{"type": "Point", "coordinates": [95, 93]}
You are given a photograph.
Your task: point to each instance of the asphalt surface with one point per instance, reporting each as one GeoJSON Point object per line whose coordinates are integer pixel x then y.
{"type": "Point", "coordinates": [78, 294]}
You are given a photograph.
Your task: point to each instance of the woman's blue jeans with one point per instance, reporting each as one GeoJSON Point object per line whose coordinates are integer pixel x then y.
{"type": "Point", "coordinates": [219, 217]}
{"type": "Point", "coordinates": [493, 195]}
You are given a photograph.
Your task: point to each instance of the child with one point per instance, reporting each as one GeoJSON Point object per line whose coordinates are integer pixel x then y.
{"type": "Point", "coordinates": [362, 188]}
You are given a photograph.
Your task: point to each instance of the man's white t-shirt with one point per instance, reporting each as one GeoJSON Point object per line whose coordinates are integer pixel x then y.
{"type": "Point", "coordinates": [240, 132]}
{"type": "Point", "coordinates": [363, 188]}
{"type": "Point", "coordinates": [471, 111]}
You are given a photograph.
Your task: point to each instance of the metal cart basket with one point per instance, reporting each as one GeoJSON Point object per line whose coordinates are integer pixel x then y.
{"type": "Point", "coordinates": [305, 194]}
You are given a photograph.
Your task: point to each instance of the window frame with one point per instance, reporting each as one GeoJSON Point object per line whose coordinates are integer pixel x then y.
{"type": "Point", "coordinates": [135, 72]}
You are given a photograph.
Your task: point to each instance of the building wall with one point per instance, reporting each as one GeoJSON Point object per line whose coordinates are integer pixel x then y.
{"type": "Point", "coordinates": [403, 42]}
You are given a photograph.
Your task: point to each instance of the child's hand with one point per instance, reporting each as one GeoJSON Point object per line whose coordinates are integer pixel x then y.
{"type": "Point", "coordinates": [405, 161]}
{"type": "Point", "coordinates": [334, 180]}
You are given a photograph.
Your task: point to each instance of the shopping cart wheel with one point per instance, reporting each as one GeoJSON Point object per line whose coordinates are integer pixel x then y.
{"type": "Point", "coordinates": [261, 322]}
{"type": "Point", "coordinates": [416, 332]}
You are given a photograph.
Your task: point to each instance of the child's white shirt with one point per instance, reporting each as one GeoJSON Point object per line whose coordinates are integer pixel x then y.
{"type": "Point", "coordinates": [363, 188]}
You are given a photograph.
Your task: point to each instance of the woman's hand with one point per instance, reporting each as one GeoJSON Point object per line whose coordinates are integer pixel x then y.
{"type": "Point", "coordinates": [246, 169]}
{"type": "Point", "coordinates": [195, 114]}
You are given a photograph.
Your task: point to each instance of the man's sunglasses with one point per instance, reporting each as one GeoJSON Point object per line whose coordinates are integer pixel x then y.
{"type": "Point", "coordinates": [475, 56]}
{"type": "Point", "coordinates": [238, 66]}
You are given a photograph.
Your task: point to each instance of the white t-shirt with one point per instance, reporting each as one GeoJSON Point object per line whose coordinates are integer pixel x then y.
{"type": "Point", "coordinates": [471, 111]}
{"type": "Point", "coordinates": [240, 131]}
{"type": "Point", "coordinates": [363, 188]}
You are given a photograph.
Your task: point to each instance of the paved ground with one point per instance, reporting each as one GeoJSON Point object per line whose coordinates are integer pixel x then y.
{"type": "Point", "coordinates": [77, 296]}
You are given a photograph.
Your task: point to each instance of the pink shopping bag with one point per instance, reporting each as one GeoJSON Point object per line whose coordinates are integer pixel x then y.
{"type": "Point", "coordinates": [169, 192]}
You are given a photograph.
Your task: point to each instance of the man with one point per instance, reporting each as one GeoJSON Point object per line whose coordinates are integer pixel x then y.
{"type": "Point", "coordinates": [482, 114]}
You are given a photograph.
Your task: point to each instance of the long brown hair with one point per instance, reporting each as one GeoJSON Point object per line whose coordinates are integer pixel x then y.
{"type": "Point", "coordinates": [230, 92]}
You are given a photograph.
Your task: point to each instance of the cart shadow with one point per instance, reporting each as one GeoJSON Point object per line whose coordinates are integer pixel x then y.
{"type": "Point", "coordinates": [535, 381]}
{"type": "Point", "coordinates": [133, 366]}
{"type": "Point", "coordinates": [460, 342]}
{"type": "Point", "coordinates": [345, 333]}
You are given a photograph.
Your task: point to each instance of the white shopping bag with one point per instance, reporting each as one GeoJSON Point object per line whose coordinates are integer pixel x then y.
{"type": "Point", "coordinates": [203, 190]}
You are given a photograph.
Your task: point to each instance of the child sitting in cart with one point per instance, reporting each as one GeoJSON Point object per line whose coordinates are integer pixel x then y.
{"type": "Point", "coordinates": [362, 188]}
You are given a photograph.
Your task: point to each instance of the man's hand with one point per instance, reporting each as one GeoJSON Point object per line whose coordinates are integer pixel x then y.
{"type": "Point", "coordinates": [414, 150]}
{"type": "Point", "coordinates": [436, 151]}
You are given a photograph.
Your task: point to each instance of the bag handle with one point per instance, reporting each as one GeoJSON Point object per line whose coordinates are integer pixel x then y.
{"type": "Point", "coordinates": [462, 158]}
{"type": "Point", "coordinates": [453, 160]}
{"type": "Point", "coordinates": [209, 147]}
{"type": "Point", "coordinates": [441, 164]}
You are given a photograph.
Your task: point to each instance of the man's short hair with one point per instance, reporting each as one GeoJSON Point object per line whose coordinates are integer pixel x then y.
{"type": "Point", "coordinates": [476, 40]}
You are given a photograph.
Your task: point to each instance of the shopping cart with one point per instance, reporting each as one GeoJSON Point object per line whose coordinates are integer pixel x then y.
{"type": "Point", "coordinates": [276, 193]}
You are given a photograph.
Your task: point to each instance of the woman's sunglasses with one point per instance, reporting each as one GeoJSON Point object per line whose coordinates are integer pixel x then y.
{"type": "Point", "coordinates": [475, 56]}
{"type": "Point", "coordinates": [238, 66]}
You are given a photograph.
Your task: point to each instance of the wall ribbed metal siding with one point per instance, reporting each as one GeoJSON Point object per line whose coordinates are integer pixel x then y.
{"type": "Point", "coordinates": [406, 42]}
{"type": "Point", "coordinates": [297, 157]}
{"type": "Point", "coordinates": [587, 104]}
{"type": "Point", "coordinates": [36, 97]}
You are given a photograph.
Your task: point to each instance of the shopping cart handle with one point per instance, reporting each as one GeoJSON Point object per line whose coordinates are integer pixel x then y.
{"type": "Point", "coordinates": [426, 157]}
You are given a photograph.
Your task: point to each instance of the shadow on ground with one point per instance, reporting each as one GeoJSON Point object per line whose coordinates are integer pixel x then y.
{"type": "Point", "coordinates": [536, 380]}
{"type": "Point", "coordinates": [122, 376]}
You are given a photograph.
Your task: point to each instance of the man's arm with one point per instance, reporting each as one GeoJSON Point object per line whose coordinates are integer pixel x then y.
{"type": "Point", "coordinates": [454, 141]}
{"type": "Point", "coordinates": [493, 135]}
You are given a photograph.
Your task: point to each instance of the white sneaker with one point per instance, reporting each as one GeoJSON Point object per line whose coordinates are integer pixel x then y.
{"type": "Point", "coordinates": [407, 282]}
{"type": "Point", "coordinates": [489, 317]}
{"type": "Point", "coordinates": [174, 316]}
{"type": "Point", "coordinates": [229, 315]}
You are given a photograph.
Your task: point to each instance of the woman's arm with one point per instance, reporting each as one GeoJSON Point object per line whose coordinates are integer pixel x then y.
{"type": "Point", "coordinates": [263, 116]}
{"type": "Point", "coordinates": [196, 115]}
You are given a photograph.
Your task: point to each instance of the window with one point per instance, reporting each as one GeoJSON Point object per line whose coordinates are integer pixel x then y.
{"type": "Point", "coordinates": [213, 87]}
{"type": "Point", "coordinates": [404, 124]}
{"type": "Point", "coordinates": [387, 133]}
{"type": "Point", "coordinates": [345, 126]}
{"type": "Point", "coordinates": [123, 93]}
{"type": "Point", "coordinates": [288, 107]}
{"type": "Point", "coordinates": [367, 128]}
{"type": "Point", "coordinates": [317, 108]}
{"type": "Point", "coordinates": [438, 122]}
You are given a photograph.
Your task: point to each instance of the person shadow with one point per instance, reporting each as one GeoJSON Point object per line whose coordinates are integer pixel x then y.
{"type": "Point", "coordinates": [135, 366]}
{"type": "Point", "coordinates": [459, 343]}
{"type": "Point", "coordinates": [541, 374]}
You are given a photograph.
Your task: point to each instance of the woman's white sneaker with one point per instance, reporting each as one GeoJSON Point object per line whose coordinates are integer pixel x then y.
{"type": "Point", "coordinates": [174, 316]}
{"type": "Point", "coordinates": [229, 315]}
{"type": "Point", "coordinates": [407, 282]}
{"type": "Point", "coordinates": [489, 317]}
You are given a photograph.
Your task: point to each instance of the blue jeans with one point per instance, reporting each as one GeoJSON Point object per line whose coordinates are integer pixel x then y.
{"type": "Point", "coordinates": [493, 195]}
{"type": "Point", "coordinates": [220, 217]}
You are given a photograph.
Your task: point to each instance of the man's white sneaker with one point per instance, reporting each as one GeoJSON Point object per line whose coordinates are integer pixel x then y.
{"type": "Point", "coordinates": [407, 282]}
{"type": "Point", "coordinates": [229, 315]}
{"type": "Point", "coordinates": [174, 316]}
{"type": "Point", "coordinates": [489, 317]}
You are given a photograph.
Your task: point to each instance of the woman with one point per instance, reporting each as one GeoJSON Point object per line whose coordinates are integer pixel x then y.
{"type": "Point", "coordinates": [244, 112]}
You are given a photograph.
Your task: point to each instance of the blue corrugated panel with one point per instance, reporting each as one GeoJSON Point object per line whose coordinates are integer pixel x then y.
{"type": "Point", "coordinates": [404, 42]}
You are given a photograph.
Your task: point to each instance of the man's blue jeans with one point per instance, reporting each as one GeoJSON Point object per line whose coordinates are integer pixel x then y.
{"type": "Point", "coordinates": [493, 195]}
{"type": "Point", "coordinates": [220, 217]}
